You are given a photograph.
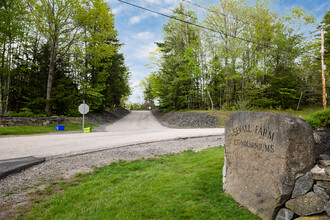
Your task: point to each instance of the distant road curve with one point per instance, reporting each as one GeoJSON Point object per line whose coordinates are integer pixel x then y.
{"type": "Point", "coordinates": [136, 128]}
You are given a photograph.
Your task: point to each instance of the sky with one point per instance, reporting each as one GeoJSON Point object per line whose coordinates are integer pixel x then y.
{"type": "Point", "coordinates": [138, 30]}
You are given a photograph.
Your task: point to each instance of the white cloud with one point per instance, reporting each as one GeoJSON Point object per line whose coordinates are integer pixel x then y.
{"type": "Point", "coordinates": [162, 6]}
{"type": "Point", "coordinates": [142, 51]}
{"type": "Point", "coordinates": [137, 19]}
{"type": "Point", "coordinates": [147, 35]}
{"type": "Point", "coordinates": [161, 2]}
{"type": "Point", "coordinates": [138, 77]}
{"type": "Point", "coordinates": [117, 10]}
{"type": "Point", "coordinates": [135, 84]}
{"type": "Point", "coordinates": [137, 92]}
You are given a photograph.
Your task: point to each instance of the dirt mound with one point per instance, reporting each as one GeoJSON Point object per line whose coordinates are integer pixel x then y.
{"type": "Point", "coordinates": [107, 117]}
{"type": "Point", "coordinates": [186, 119]}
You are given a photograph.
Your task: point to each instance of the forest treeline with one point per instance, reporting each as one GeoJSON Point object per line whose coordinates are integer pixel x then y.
{"type": "Point", "coordinates": [245, 56]}
{"type": "Point", "coordinates": [56, 53]}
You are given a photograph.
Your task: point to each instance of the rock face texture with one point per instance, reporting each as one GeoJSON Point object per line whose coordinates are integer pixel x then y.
{"type": "Point", "coordinates": [321, 192]}
{"type": "Point", "coordinates": [302, 186]}
{"type": "Point", "coordinates": [265, 152]}
{"type": "Point", "coordinates": [284, 214]}
{"type": "Point", "coordinates": [307, 204]}
{"type": "Point", "coordinates": [186, 119]}
{"type": "Point", "coordinates": [106, 117]}
{"type": "Point", "coordinates": [26, 121]}
{"type": "Point", "coordinates": [311, 202]}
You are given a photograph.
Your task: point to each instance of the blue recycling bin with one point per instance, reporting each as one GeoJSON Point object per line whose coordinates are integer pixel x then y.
{"type": "Point", "coordinates": [60, 127]}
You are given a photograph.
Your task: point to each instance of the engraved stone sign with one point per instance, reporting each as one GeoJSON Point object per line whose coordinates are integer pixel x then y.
{"type": "Point", "coordinates": [264, 154]}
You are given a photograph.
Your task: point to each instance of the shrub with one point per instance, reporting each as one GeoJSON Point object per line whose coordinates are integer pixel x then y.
{"type": "Point", "coordinates": [313, 122]}
{"type": "Point", "coordinates": [324, 117]}
{"type": "Point", "coordinates": [320, 119]}
{"type": "Point", "coordinates": [243, 105]}
{"type": "Point", "coordinates": [25, 112]}
{"type": "Point", "coordinates": [20, 114]}
{"type": "Point", "coordinates": [12, 114]}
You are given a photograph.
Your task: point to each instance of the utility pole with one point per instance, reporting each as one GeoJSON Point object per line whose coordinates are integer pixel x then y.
{"type": "Point", "coordinates": [323, 64]}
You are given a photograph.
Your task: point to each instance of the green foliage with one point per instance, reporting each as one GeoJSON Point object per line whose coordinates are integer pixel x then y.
{"type": "Point", "coordinates": [58, 53]}
{"type": "Point", "coordinates": [105, 76]}
{"type": "Point", "coordinates": [243, 105]}
{"type": "Point", "coordinates": [198, 70]}
{"type": "Point", "coordinates": [315, 123]}
{"type": "Point", "coordinates": [136, 106]}
{"type": "Point", "coordinates": [177, 81]}
{"type": "Point", "coordinates": [181, 186]}
{"type": "Point", "coordinates": [25, 112]}
{"type": "Point", "coordinates": [14, 19]}
{"type": "Point", "coordinates": [320, 119]}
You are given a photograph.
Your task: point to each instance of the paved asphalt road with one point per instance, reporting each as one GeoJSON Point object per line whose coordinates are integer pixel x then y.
{"type": "Point", "coordinates": [137, 127]}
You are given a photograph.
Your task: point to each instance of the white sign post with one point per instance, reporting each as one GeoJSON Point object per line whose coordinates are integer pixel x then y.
{"type": "Point", "coordinates": [83, 109]}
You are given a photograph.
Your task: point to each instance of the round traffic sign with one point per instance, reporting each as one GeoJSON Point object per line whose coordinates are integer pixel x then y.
{"type": "Point", "coordinates": [83, 108]}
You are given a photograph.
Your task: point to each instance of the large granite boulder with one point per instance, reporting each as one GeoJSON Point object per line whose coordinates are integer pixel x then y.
{"type": "Point", "coordinates": [265, 152]}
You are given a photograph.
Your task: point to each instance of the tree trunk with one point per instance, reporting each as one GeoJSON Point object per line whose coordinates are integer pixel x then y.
{"type": "Point", "coordinates": [50, 76]}
{"type": "Point", "coordinates": [9, 70]}
{"type": "Point", "coordinates": [232, 81]}
{"type": "Point", "coordinates": [8, 91]}
{"type": "Point", "coordinates": [263, 75]}
{"type": "Point", "coordinates": [210, 99]}
{"type": "Point", "coordinates": [243, 75]}
{"type": "Point", "coordinates": [227, 82]}
{"type": "Point", "coordinates": [2, 67]}
{"type": "Point", "coordinates": [220, 94]}
{"type": "Point", "coordinates": [0, 95]}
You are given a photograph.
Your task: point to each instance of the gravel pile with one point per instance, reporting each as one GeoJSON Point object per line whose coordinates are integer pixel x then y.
{"type": "Point", "coordinates": [15, 189]}
{"type": "Point", "coordinates": [186, 119]}
{"type": "Point", "coordinates": [107, 117]}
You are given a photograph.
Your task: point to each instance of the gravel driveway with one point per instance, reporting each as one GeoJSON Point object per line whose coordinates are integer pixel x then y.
{"type": "Point", "coordinates": [137, 135]}
{"type": "Point", "coordinates": [13, 195]}
{"type": "Point", "coordinates": [136, 128]}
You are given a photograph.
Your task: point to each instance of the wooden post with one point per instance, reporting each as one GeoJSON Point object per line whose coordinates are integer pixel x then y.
{"type": "Point", "coordinates": [324, 94]}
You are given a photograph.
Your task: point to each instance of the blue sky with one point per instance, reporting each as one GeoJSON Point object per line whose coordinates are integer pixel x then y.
{"type": "Point", "coordinates": [139, 29]}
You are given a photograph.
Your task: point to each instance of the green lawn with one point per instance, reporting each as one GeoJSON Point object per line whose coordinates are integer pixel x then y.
{"type": "Point", "coordinates": [181, 186]}
{"type": "Point", "coordinates": [24, 130]}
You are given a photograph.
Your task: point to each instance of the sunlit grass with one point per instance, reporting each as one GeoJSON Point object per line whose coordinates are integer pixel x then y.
{"type": "Point", "coordinates": [181, 186]}
{"type": "Point", "coordinates": [25, 130]}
